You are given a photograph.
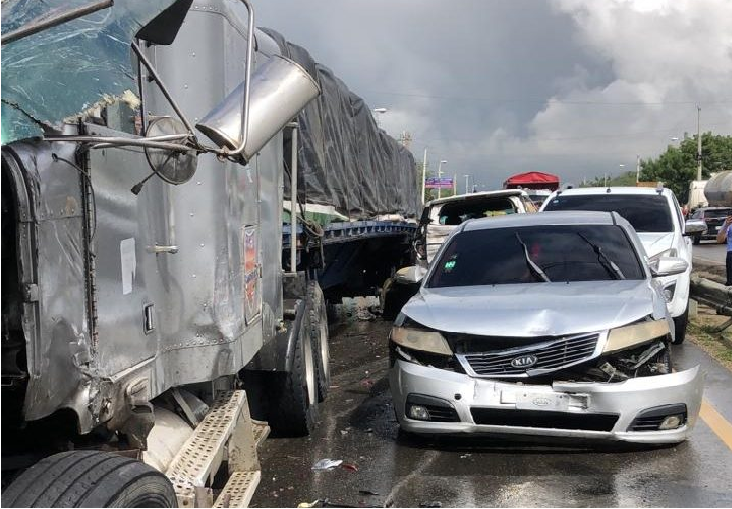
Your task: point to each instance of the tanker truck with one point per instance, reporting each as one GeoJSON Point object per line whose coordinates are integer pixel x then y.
{"type": "Point", "coordinates": [173, 228]}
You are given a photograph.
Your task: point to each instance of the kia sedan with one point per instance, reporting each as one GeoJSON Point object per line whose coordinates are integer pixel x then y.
{"type": "Point", "coordinates": [548, 324]}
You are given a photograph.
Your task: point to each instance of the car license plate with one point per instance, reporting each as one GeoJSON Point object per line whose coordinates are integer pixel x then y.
{"type": "Point", "coordinates": [541, 401]}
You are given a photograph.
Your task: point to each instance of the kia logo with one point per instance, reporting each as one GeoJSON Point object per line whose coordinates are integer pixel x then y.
{"type": "Point", "coordinates": [525, 361]}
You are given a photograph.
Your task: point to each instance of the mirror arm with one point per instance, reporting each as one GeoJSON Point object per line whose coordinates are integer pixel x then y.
{"type": "Point", "coordinates": [156, 78]}
{"type": "Point", "coordinates": [247, 80]}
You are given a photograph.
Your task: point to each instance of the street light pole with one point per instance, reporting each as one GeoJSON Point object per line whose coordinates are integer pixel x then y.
{"type": "Point", "coordinates": [439, 176]}
{"type": "Point", "coordinates": [380, 111]}
{"type": "Point", "coordinates": [467, 177]}
{"type": "Point", "coordinates": [698, 143]}
{"type": "Point", "coordinates": [424, 173]}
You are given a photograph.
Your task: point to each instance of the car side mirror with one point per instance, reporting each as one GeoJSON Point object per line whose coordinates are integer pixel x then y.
{"type": "Point", "coordinates": [692, 227]}
{"type": "Point", "coordinates": [668, 266]}
{"type": "Point", "coordinates": [410, 275]}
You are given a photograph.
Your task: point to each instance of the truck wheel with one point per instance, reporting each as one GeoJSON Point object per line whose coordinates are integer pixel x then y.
{"type": "Point", "coordinates": [697, 239]}
{"type": "Point", "coordinates": [294, 408]}
{"type": "Point", "coordinates": [90, 479]}
{"type": "Point", "coordinates": [680, 324]}
{"type": "Point", "coordinates": [389, 307]}
{"type": "Point", "coordinates": [319, 337]}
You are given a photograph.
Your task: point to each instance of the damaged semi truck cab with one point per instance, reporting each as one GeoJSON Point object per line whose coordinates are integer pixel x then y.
{"type": "Point", "coordinates": [146, 308]}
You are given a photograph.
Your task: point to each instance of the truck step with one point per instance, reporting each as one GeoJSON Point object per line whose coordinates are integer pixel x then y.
{"type": "Point", "coordinates": [261, 432]}
{"type": "Point", "coordinates": [239, 489]}
{"type": "Point", "coordinates": [202, 454]}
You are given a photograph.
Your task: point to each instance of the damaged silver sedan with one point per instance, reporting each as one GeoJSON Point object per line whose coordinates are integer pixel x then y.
{"type": "Point", "coordinates": [549, 324]}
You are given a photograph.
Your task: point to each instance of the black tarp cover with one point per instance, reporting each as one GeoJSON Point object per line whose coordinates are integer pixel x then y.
{"type": "Point", "coordinates": [344, 159]}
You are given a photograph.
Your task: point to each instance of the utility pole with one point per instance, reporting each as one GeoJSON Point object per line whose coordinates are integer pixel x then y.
{"type": "Point", "coordinates": [467, 177]}
{"type": "Point", "coordinates": [637, 169]}
{"type": "Point", "coordinates": [424, 173]}
{"type": "Point", "coordinates": [439, 177]}
{"type": "Point", "coordinates": [454, 184]}
{"type": "Point", "coordinates": [698, 143]}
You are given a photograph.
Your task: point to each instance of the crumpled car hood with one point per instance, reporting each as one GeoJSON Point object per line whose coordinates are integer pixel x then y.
{"type": "Point", "coordinates": [538, 309]}
{"type": "Point", "coordinates": [655, 243]}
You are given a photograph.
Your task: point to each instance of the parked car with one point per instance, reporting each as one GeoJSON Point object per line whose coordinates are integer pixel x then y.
{"type": "Point", "coordinates": [551, 324]}
{"type": "Point", "coordinates": [656, 216]}
{"type": "Point", "coordinates": [439, 219]}
{"type": "Point", "coordinates": [709, 220]}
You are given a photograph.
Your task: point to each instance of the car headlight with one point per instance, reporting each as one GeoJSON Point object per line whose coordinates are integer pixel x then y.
{"type": "Point", "coordinates": [669, 290]}
{"type": "Point", "coordinates": [636, 334]}
{"type": "Point", "coordinates": [412, 336]}
{"type": "Point", "coordinates": [668, 253]}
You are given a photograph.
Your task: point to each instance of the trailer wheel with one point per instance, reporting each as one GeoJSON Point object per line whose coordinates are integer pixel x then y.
{"type": "Point", "coordinates": [90, 479]}
{"type": "Point", "coordinates": [294, 408]}
{"type": "Point", "coordinates": [319, 336]}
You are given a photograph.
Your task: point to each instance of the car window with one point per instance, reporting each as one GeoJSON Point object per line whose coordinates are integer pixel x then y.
{"type": "Point", "coordinates": [497, 256]}
{"type": "Point", "coordinates": [647, 213]}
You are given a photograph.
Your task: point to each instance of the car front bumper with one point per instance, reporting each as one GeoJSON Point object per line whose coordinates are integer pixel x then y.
{"type": "Point", "coordinates": [561, 409]}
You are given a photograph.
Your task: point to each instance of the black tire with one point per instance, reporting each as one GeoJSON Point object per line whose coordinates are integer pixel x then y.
{"type": "Point", "coordinates": [697, 239]}
{"type": "Point", "coordinates": [680, 324]}
{"type": "Point", "coordinates": [319, 337]}
{"type": "Point", "coordinates": [90, 479]}
{"type": "Point", "coordinates": [389, 306]}
{"type": "Point", "coordinates": [294, 394]}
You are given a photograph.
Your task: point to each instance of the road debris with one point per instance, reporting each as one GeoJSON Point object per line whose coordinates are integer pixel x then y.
{"type": "Point", "coordinates": [326, 464]}
{"type": "Point", "coordinates": [350, 466]}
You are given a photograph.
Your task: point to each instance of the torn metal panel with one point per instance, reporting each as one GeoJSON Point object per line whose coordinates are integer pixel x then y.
{"type": "Point", "coordinates": [64, 70]}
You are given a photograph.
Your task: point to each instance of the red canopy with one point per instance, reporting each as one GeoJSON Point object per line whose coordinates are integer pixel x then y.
{"type": "Point", "coordinates": [532, 180]}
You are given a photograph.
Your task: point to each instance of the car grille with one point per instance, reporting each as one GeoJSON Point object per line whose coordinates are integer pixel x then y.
{"type": "Point", "coordinates": [544, 419]}
{"type": "Point", "coordinates": [550, 355]}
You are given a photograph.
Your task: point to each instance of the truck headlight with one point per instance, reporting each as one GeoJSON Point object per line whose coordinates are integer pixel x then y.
{"type": "Point", "coordinates": [415, 338]}
{"type": "Point", "coordinates": [636, 334]}
{"type": "Point", "coordinates": [669, 290]}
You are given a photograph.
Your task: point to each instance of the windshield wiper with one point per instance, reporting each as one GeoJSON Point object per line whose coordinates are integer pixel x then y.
{"type": "Point", "coordinates": [533, 267]}
{"type": "Point", "coordinates": [610, 266]}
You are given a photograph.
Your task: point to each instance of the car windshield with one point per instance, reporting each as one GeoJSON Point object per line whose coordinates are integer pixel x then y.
{"type": "Point", "coordinates": [457, 212]}
{"type": "Point", "coordinates": [717, 213]}
{"type": "Point", "coordinates": [647, 213]}
{"type": "Point", "coordinates": [530, 254]}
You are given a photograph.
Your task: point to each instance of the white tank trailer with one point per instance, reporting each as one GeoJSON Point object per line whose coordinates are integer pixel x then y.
{"type": "Point", "coordinates": [158, 304]}
{"type": "Point", "coordinates": [718, 190]}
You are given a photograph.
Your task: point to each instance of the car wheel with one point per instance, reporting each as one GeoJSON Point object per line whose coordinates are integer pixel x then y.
{"type": "Point", "coordinates": [90, 479]}
{"type": "Point", "coordinates": [680, 324]}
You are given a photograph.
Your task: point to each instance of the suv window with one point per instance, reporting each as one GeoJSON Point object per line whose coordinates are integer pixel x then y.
{"type": "Point", "coordinates": [495, 256]}
{"type": "Point", "coordinates": [647, 213]}
{"type": "Point", "coordinates": [454, 213]}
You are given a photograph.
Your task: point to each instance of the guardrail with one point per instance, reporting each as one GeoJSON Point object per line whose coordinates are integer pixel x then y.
{"type": "Point", "coordinates": [715, 295]}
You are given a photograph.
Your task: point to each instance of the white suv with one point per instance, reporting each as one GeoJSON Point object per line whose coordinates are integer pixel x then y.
{"type": "Point", "coordinates": [656, 216]}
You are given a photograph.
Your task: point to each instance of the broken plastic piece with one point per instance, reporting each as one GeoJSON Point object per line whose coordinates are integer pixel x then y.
{"type": "Point", "coordinates": [350, 466]}
{"type": "Point", "coordinates": [326, 464]}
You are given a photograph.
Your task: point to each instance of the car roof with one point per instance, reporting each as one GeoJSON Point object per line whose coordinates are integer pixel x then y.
{"type": "Point", "coordinates": [470, 196]}
{"type": "Point", "coordinates": [560, 217]}
{"type": "Point", "coordinates": [579, 191]}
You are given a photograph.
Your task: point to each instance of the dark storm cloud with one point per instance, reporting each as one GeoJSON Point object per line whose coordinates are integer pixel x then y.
{"type": "Point", "coordinates": [497, 87]}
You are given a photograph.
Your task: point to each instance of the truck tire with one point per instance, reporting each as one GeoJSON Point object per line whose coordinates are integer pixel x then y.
{"type": "Point", "coordinates": [319, 337]}
{"type": "Point", "coordinates": [294, 405]}
{"type": "Point", "coordinates": [680, 324]}
{"type": "Point", "coordinates": [90, 479]}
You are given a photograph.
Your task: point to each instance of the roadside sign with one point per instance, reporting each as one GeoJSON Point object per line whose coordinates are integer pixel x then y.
{"type": "Point", "coordinates": [438, 183]}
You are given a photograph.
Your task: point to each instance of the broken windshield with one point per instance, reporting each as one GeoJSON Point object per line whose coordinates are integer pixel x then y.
{"type": "Point", "coordinates": [65, 70]}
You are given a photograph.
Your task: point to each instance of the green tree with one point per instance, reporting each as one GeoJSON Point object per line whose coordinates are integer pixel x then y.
{"type": "Point", "coordinates": [624, 179]}
{"type": "Point", "coordinates": [677, 167]}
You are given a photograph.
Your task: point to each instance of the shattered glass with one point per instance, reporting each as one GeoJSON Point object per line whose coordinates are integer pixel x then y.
{"type": "Point", "coordinates": [65, 70]}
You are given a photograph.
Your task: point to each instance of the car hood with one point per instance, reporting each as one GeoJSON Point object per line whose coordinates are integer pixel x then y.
{"type": "Point", "coordinates": [534, 309]}
{"type": "Point", "coordinates": [655, 243]}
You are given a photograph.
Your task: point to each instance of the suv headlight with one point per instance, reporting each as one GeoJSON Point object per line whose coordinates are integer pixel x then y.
{"type": "Point", "coordinates": [670, 253]}
{"type": "Point", "coordinates": [411, 335]}
{"type": "Point", "coordinates": [636, 334]}
{"type": "Point", "coordinates": [669, 290]}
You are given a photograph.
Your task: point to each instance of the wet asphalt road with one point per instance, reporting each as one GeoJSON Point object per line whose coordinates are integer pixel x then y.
{"type": "Point", "coordinates": [357, 425]}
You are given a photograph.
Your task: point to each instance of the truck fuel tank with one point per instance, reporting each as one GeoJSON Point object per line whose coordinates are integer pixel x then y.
{"type": "Point", "coordinates": [719, 190]}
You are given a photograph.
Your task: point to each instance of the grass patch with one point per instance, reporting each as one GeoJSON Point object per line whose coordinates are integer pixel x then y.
{"type": "Point", "coordinates": [714, 343]}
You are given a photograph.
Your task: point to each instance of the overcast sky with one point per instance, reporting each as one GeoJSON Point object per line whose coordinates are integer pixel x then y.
{"type": "Point", "coordinates": [497, 87]}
